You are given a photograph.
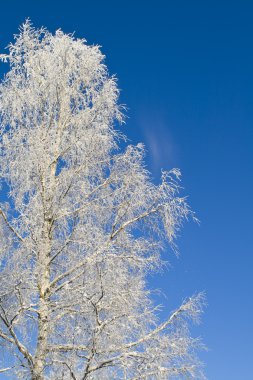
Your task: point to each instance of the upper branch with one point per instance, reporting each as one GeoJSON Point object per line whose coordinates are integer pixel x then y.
{"type": "Point", "coordinates": [131, 221]}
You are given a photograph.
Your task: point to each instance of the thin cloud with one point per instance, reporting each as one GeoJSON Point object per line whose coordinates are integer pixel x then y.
{"type": "Point", "coordinates": [162, 149]}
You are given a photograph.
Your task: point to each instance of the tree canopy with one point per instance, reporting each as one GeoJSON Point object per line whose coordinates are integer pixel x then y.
{"type": "Point", "coordinates": [82, 226]}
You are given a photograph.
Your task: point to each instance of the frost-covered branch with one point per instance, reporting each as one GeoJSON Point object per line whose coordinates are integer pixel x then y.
{"type": "Point", "coordinates": [14, 339]}
{"type": "Point", "coordinates": [10, 226]}
{"type": "Point", "coordinates": [5, 369]}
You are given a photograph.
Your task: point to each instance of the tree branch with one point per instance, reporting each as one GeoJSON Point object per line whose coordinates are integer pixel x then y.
{"type": "Point", "coordinates": [5, 369]}
{"type": "Point", "coordinates": [66, 347]}
{"type": "Point", "coordinates": [149, 336]}
{"type": "Point", "coordinates": [22, 349]}
{"type": "Point", "coordinates": [10, 226]}
{"type": "Point", "coordinates": [107, 181]}
{"type": "Point", "coordinates": [129, 222]}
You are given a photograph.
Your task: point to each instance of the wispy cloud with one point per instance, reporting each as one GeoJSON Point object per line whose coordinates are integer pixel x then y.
{"type": "Point", "coordinates": [161, 147]}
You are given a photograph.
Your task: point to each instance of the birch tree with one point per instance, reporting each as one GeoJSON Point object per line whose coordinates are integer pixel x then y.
{"type": "Point", "coordinates": [82, 226]}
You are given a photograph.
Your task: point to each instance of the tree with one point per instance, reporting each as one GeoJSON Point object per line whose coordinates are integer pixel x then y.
{"type": "Point", "coordinates": [82, 226]}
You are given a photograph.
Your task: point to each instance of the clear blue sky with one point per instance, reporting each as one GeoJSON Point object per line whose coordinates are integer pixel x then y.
{"type": "Point", "coordinates": [186, 73]}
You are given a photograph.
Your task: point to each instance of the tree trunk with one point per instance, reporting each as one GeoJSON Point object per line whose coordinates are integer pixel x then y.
{"type": "Point", "coordinates": [44, 309]}
{"type": "Point", "coordinates": [44, 279]}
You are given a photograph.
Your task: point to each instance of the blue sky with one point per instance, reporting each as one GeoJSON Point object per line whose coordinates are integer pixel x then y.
{"type": "Point", "coordinates": [186, 73]}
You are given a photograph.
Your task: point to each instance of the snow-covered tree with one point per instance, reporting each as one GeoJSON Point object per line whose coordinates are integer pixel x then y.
{"type": "Point", "coordinates": [82, 226]}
